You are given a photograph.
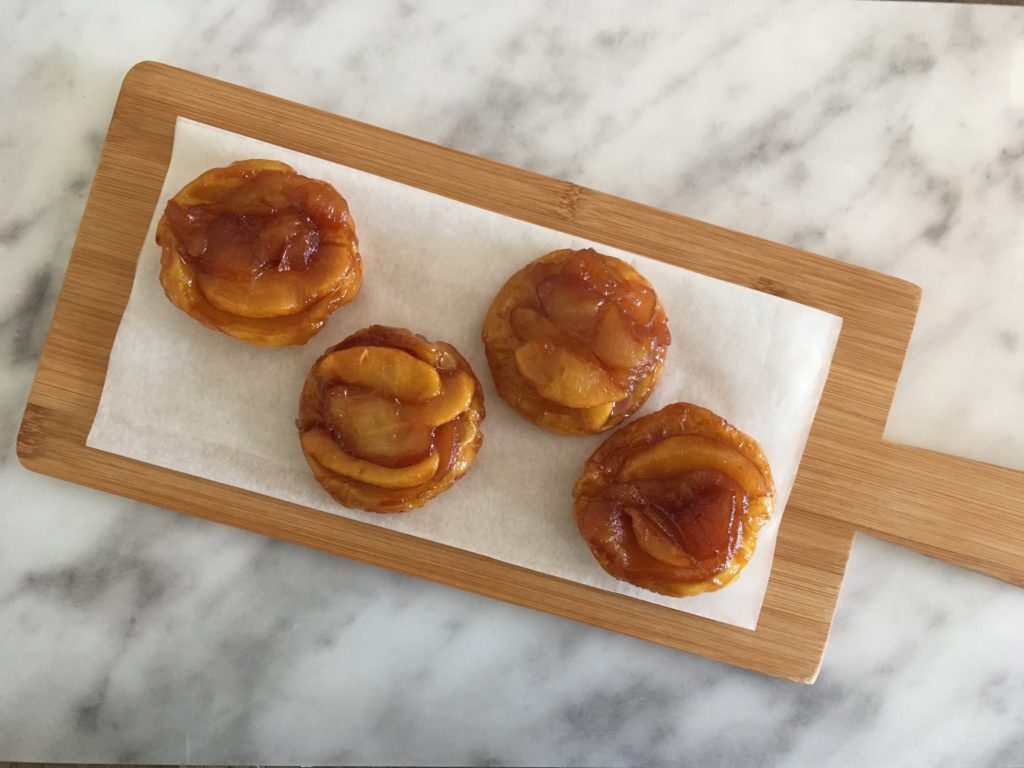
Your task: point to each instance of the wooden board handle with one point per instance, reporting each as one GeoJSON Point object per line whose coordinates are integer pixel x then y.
{"type": "Point", "coordinates": [962, 511]}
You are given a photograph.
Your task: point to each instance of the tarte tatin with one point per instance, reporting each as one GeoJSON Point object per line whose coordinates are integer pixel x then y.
{"type": "Point", "coordinates": [674, 501]}
{"type": "Point", "coordinates": [388, 420]}
{"type": "Point", "coordinates": [259, 252]}
{"type": "Point", "coordinates": [576, 341]}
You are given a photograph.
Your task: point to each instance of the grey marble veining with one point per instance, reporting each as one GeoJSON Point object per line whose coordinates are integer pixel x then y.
{"type": "Point", "coordinates": [885, 134]}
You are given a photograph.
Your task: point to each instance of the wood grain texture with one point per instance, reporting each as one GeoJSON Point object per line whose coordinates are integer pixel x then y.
{"type": "Point", "coordinates": [849, 479]}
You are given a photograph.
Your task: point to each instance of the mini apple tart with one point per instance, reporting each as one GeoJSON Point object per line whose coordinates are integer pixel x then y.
{"type": "Point", "coordinates": [388, 420]}
{"type": "Point", "coordinates": [259, 252]}
{"type": "Point", "coordinates": [576, 341]}
{"type": "Point", "coordinates": [674, 501]}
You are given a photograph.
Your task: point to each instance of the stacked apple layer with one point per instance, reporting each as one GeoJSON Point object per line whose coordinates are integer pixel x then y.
{"type": "Point", "coordinates": [674, 501]}
{"type": "Point", "coordinates": [388, 420]}
{"type": "Point", "coordinates": [259, 252]}
{"type": "Point", "coordinates": [576, 341]}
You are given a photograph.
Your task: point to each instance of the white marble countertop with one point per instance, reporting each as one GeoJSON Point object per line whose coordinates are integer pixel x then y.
{"type": "Point", "coordinates": [885, 134]}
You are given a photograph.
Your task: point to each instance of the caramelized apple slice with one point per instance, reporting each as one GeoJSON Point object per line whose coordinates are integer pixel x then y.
{"type": "Point", "coordinates": [374, 428]}
{"type": "Point", "coordinates": [210, 187]}
{"type": "Point", "coordinates": [449, 440]}
{"type": "Point", "coordinates": [529, 325]}
{"type": "Point", "coordinates": [252, 167]}
{"type": "Point", "coordinates": [637, 302]}
{"type": "Point", "coordinates": [559, 375]}
{"type": "Point", "coordinates": [271, 193]}
{"type": "Point", "coordinates": [413, 344]}
{"type": "Point", "coordinates": [615, 343]}
{"type": "Point", "coordinates": [684, 453]}
{"type": "Point", "coordinates": [595, 418]}
{"type": "Point", "coordinates": [690, 523]}
{"type": "Point", "coordinates": [591, 268]}
{"type": "Point", "coordinates": [324, 450]}
{"type": "Point", "coordinates": [274, 293]}
{"type": "Point", "coordinates": [655, 536]}
{"type": "Point", "coordinates": [385, 370]}
{"type": "Point", "coordinates": [456, 394]}
{"type": "Point", "coordinates": [569, 303]}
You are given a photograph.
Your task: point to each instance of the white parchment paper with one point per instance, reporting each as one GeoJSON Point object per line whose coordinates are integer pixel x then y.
{"type": "Point", "coordinates": [181, 396]}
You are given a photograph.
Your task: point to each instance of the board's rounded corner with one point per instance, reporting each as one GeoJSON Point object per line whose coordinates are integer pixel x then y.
{"type": "Point", "coordinates": [26, 444]}
{"type": "Point", "coordinates": [911, 292]}
{"type": "Point", "coordinates": [810, 677]}
{"type": "Point", "coordinates": [916, 291]}
{"type": "Point", "coordinates": [140, 70]}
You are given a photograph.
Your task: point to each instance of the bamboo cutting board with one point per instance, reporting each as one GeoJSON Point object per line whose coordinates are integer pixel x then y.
{"type": "Point", "coordinates": [963, 511]}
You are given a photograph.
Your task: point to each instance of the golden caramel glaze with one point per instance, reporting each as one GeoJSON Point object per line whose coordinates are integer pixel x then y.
{"type": "Point", "coordinates": [259, 252]}
{"type": "Point", "coordinates": [674, 501]}
{"type": "Point", "coordinates": [388, 420]}
{"type": "Point", "coordinates": [576, 341]}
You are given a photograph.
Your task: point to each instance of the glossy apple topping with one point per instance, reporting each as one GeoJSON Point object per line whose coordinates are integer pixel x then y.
{"type": "Point", "coordinates": [259, 252]}
{"type": "Point", "coordinates": [388, 420]}
{"type": "Point", "coordinates": [674, 501]}
{"type": "Point", "coordinates": [576, 341]}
